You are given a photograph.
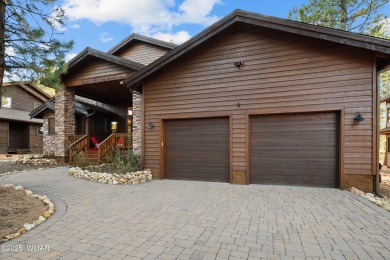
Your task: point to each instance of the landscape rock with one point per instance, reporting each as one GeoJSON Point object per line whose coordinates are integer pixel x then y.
{"type": "Point", "coordinates": [46, 214]}
{"type": "Point", "coordinates": [381, 202]}
{"type": "Point", "coordinates": [28, 226]}
{"type": "Point", "coordinates": [103, 177]}
{"type": "Point", "coordinates": [19, 188]}
{"type": "Point", "coordinates": [12, 236]}
{"type": "Point", "coordinates": [35, 160]}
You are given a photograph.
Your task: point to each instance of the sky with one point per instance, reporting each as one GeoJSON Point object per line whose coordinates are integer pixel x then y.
{"type": "Point", "coordinates": [101, 24]}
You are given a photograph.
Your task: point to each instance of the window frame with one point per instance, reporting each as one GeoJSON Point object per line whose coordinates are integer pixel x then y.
{"type": "Point", "coordinates": [40, 126]}
{"type": "Point", "coordinates": [2, 102]}
{"type": "Point", "coordinates": [51, 130]}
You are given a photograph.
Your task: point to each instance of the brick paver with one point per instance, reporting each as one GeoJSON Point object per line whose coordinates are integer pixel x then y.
{"type": "Point", "coordinates": [199, 220]}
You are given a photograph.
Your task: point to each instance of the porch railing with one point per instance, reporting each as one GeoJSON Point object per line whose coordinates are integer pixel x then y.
{"type": "Point", "coordinates": [120, 141]}
{"type": "Point", "coordinates": [80, 145]}
{"type": "Point", "coordinates": [74, 138]}
{"type": "Point", "coordinates": [114, 141]}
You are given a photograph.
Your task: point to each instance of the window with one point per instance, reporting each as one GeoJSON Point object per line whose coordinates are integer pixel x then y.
{"type": "Point", "coordinates": [52, 126]}
{"type": "Point", "coordinates": [39, 129]}
{"type": "Point", "coordinates": [37, 104]}
{"type": "Point", "coordinates": [388, 117]}
{"type": "Point", "coordinates": [388, 144]}
{"type": "Point", "coordinates": [6, 102]}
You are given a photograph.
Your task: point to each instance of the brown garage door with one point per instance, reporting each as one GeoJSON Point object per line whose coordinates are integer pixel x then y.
{"type": "Point", "coordinates": [294, 149]}
{"type": "Point", "coordinates": [197, 149]}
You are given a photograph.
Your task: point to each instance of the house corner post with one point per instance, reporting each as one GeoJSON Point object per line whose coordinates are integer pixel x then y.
{"type": "Point", "coordinates": [137, 123]}
{"type": "Point", "coordinates": [64, 121]}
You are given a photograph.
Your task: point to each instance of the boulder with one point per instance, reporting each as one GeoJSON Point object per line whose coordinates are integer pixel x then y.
{"type": "Point", "coordinates": [28, 226]}
{"type": "Point", "coordinates": [46, 214]}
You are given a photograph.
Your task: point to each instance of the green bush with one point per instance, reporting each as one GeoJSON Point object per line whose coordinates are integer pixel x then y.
{"type": "Point", "coordinates": [128, 163]}
{"type": "Point", "coordinates": [82, 160]}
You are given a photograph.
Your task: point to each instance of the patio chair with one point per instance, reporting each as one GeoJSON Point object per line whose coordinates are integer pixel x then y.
{"type": "Point", "coordinates": [95, 143]}
{"type": "Point", "coordinates": [120, 143]}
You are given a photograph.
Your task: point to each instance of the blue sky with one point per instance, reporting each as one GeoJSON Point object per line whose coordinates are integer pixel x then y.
{"type": "Point", "coordinates": [101, 24]}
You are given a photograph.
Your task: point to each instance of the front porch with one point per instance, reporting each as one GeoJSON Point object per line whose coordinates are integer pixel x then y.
{"type": "Point", "coordinates": [80, 150]}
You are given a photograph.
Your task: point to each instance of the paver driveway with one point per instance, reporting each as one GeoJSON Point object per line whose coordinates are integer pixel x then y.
{"type": "Point", "coordinates": [198, 220]}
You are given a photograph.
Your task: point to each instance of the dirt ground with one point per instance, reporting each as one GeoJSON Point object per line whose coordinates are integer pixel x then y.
{"type": "Point", "coordinates": [16, 209]}
{"type": "Point", "coordinates": [384, 188]}
{"type": "Point", "coordinates": [10, 166]}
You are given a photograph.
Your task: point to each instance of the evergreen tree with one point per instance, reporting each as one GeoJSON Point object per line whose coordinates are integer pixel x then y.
{"type": "Point", "coordinates": [29, 49]}
{"type": "Point", "coordinates": [362, 16]}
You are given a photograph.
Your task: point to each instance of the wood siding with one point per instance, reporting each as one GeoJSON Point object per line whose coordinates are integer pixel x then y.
{"type": "Point", "coordinates": [295, 149]}
{"type": "Point", "coordinates": [143, 53]}
{"type": "Point", "coordinates": [282, 73]}
{"type": "Point", "coordinates": [36, 141]}
{"type": "Point", "coordinates": [21, 99]}
{"type": "Point", "coordinates": [3, 136]}
{"type": "Point", "coordinates": [97, 71]}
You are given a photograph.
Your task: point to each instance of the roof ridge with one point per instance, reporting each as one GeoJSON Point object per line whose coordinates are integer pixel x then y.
{"type": "Point", "coordinates": [139, 37]}
{"type": "Point", "coordinates": [105, 56]}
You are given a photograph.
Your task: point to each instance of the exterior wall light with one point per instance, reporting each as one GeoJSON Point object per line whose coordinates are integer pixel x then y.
{"type": "Point", "coordinates": [238, 64]}
{"type": "Point", "coordinates": [114, 126]}
{"type": "Point", "coordinates": [359, 117]}
{"type": "Point", "coordinates": [150, 125]}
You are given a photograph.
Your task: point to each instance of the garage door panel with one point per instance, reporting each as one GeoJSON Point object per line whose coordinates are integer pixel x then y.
{"type": "Point", "coordinates": [197, 149]}
{"type": "Point", "coordinates": [294, 149]}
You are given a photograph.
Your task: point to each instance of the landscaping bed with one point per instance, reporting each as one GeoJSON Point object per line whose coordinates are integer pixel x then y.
{"type": "Point", "coordinates": [21, 210]}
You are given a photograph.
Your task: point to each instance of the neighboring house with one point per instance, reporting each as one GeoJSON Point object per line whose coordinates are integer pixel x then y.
{"type": "Point", "coordinates": [263, 100]}
{"type": "Point", "coordinates": [97, 76]}
{"type": "Point", "coordinates": [386, 130]}
{"type": "Point", "coordinates": [18, 132]}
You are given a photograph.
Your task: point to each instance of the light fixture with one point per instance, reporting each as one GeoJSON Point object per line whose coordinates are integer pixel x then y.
{"type": "Point", "coordinates": [359, 117]}
{"type": "Point", "coordinates": [150, 125]}
{"type": "Point", "coordinates": [238, 64]}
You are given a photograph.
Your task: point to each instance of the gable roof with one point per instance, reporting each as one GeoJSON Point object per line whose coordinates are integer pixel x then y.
{"type": "Point", "coordinates": [81, 107]}
{"type": "Point", "coordinates": [11, 114]}
{"type": "Point", "coordinates": [140, 38]}
{"type": "Point", "coordinates": [30, 88]}
{"type": "Point", "coordinates": [239, 16]}
{"type": "Point", "coordinates": [90, 52]}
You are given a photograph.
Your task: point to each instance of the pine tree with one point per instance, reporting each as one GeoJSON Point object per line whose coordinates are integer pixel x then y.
{"type": "Point", "coordinates": [362, 16]}
{"type": "Point", "coordinates": [29, 49]}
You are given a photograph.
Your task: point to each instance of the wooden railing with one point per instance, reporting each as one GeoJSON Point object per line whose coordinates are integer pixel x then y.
{"type": "Point", "coordinates": [114, 141]}
{"type": "Point", "coordinates": [74, 138]}
{"type": "Point", "coordinates": [81, 145]}
{"type": "Point", "coordinates": [120, 141]}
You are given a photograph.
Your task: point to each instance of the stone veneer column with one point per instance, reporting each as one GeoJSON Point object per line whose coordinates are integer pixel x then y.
{"type": "Point", "coordinates": [137, 123]}
{"type": "Point", "coordinates": [65, 120]}
{"type": "Point", "coordinates": [49, 141]}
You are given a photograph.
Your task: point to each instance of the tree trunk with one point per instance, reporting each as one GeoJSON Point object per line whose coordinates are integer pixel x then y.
{"type": "Point", "coordinates": [2, 46]}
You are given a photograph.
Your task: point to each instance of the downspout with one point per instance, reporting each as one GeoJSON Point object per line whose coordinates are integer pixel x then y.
{"type": "Point", "coordinates": [377, 87]}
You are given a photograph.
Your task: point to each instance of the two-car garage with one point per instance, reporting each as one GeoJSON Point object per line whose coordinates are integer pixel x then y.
{"type": "Point", "coordinates": [288, 149]}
